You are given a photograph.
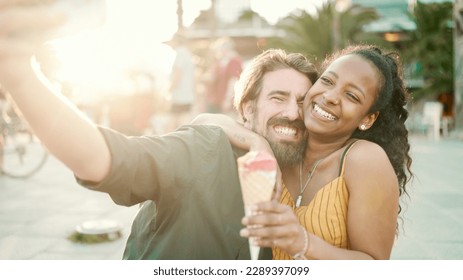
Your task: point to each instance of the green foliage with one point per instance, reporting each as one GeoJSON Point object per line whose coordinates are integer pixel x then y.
{"type": "Point", "coordinates": [248, 15]}
{"type": "Point", "coordinates": [318, 35]}
{"type": "Point", "coordinates": [432, 45]}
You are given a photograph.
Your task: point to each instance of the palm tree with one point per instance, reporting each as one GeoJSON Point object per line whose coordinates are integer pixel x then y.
{"type": "Point", "coordinates": [249, 15]}
{"type": "Point", "coordinates": [432, 45]}
{"type": "Point", "coordinates": [318, 35]}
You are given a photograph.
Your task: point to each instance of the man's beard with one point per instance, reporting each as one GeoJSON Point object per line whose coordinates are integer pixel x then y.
{"type": "Point", "coordinates": [286, 153]}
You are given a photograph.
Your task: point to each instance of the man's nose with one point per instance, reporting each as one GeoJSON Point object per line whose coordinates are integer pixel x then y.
{"type": "Point", "coordinates": [293, 110]}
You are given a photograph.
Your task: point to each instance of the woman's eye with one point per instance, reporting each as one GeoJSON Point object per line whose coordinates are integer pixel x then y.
{"type": "Point", "coordinates": [353, 96]}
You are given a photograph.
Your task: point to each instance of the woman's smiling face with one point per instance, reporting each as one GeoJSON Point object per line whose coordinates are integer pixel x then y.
{"type": "Point", "coordinates": [341, 98]}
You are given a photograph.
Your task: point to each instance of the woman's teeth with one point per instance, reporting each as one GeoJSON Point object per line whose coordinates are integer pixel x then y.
{"type": "Point", "coordinates": [323, 113]}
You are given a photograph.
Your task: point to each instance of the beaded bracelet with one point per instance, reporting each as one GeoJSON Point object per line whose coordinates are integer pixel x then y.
{"type": "Point", "coordinates": [301, 255]}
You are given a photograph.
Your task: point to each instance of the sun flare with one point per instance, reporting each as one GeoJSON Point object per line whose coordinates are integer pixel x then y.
{"type": "Point", "coordinates": [102, 60]}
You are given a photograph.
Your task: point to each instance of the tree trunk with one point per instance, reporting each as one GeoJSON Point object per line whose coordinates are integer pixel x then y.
{"type": "Point", "coordinates": [180, 14]}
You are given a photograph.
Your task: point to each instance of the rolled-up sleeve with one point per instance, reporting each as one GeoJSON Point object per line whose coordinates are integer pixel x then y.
{"type": "Point", "coordinates": [156, 167]}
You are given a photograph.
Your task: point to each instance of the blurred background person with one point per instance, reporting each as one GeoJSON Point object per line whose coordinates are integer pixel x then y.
{"type": "Point", "coordinates": [224, 72]}
{"type": "Point", "coordinates": [181, 88]}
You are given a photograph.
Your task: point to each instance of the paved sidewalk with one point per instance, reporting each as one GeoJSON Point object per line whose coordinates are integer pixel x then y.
{"type": "Point", "coordinates": [38, 214]}
{"type": "Point", "coordinates": [433, 215]}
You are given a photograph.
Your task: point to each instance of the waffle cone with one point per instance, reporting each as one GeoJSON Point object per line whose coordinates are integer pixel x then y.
{"type": "Point", "coordinates": [257, 172]}
{"type": "Point", "coordinates": [257, 186]}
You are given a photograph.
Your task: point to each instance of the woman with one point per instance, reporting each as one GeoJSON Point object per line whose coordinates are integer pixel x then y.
{"type": "Point", "coordinates": [342, 200]}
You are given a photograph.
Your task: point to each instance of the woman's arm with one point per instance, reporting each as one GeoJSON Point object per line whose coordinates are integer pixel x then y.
{"type": "Point", "coordinates": [238, 135]}
{"type": "Point", "coordinates": [373, 200]}
{"type": "Point", "coordinates": [241, 137]}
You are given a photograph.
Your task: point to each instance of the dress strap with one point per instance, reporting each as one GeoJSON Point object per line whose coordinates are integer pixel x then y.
{"type": "Point", "coordinates": [343, 157]}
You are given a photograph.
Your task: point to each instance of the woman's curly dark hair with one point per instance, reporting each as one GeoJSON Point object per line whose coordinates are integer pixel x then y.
{"type": "Point", "coordinates": [389, 130]}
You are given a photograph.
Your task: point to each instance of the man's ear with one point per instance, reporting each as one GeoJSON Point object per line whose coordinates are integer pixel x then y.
{"type": "Point", "coordinates": [368, 121]}
{"type": "Point", "coordinates": [248, 111]}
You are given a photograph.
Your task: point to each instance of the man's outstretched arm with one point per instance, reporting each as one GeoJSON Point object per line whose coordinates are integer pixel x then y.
{"type": "Point", "coordinates": [64, 130]}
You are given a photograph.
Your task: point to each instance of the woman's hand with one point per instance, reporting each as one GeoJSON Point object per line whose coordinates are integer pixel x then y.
{"type": "Point", "coordinates": [274, 225]}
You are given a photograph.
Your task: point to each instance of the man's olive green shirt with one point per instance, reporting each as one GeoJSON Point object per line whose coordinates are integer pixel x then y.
{"type": "Point", "coordinates": [189, 192]}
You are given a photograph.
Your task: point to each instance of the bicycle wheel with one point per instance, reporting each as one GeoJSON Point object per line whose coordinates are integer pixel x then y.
{"type": "Point", "coordinates": [23, 154]}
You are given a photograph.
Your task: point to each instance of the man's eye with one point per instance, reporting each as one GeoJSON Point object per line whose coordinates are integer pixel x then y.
{"type": "Point", "coordinates": [326, 80]}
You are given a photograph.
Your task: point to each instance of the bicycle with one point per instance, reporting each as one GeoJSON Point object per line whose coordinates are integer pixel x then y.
{"type": "Point", "coordinates": [21, 152]}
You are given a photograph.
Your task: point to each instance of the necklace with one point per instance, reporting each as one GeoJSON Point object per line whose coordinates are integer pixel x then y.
{"type": "Point", "coordinates": [309, 177]}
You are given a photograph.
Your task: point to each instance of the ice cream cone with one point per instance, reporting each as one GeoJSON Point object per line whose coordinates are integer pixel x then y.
{"type": "Point", "coordinates": [257, 172]}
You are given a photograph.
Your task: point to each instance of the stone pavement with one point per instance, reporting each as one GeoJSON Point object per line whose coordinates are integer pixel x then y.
{"type": "Point", "coordinates": [38, 214]}
{"type": "Point", "coordinates": [433, 214]}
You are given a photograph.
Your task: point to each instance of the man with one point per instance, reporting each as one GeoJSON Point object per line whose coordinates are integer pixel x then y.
{"type": "Point", "coordinates": [187, 181]}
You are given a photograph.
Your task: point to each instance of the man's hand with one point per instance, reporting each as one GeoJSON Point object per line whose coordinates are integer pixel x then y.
{"type": "Point", "coordinates": [25, 25]}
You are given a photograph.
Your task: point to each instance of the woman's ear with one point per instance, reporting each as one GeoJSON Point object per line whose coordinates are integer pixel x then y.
{"type": "Point", "coordinates": [368, 121]}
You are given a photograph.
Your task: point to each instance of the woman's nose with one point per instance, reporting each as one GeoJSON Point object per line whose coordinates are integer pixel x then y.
{"type": "Point", "coordinates": [331, 97]}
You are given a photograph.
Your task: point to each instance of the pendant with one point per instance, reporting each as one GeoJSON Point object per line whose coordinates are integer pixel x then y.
{"type": "Point", "coordinates": [298, 200]}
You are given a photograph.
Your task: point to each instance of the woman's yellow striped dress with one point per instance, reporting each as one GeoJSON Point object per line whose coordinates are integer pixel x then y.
{"type": "Point", "coordinates": [326, 215]}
